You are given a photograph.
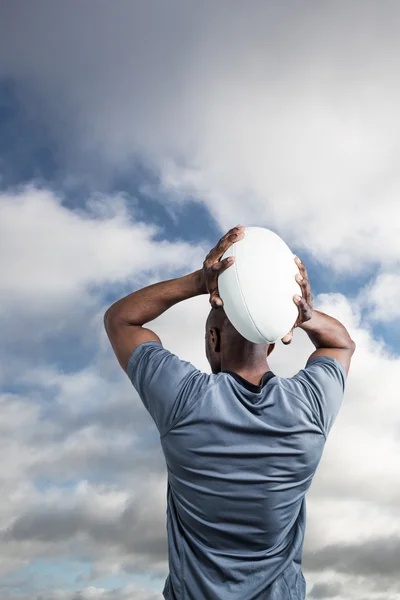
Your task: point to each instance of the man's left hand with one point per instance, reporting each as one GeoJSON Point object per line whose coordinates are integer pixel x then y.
{"type": "Point", "coordinates": [213, 266]}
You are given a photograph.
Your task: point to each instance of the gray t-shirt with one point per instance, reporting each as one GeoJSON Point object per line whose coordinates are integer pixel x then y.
{"type": "Point", "coordinates": [240, 460]}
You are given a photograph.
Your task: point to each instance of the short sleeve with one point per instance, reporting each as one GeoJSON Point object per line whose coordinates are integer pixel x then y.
{"type": "Point", "coordinates": [321, 384]}
{"type": "Point", "coordinates": [167, 385]}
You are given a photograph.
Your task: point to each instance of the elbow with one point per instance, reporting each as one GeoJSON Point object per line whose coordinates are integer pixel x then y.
{"type": "Point", "coordinates": [107, 317]}
{"type": "Point", "coordinates": [352, 346]}
{"type": "Point", "coordinates": [105, 320]}
{"type": "Point", "coordinates": [111, 318]}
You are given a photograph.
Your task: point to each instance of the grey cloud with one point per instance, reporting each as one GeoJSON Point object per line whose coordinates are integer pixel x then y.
{"type": "Point", "coordinates": [287, 105]}
{"type": "Point", "coordinates": [291, 106]}
{"type": "Point", "coordinates": [130, 592]}
{"type": "Point", "coordinates": [138, 530]}
{"type": "Point", "coordinates": [325, 590]}
{"type": "Point", "coordinates": [370, 558]}
{"type": "Point", "coordinates": [127, 61]}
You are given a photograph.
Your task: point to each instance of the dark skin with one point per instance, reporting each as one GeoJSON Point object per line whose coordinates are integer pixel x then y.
{"type": "Point", "coordinates": [226, 349]}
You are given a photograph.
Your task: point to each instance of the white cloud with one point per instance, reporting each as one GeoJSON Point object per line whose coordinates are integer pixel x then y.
{"type": "Point", "coordinates": [55, 254]}
{"type": "Point", "coordinates": [58, 264]}
{"type": "Point", "coordinates": [288, 116]}
{"type": "Point", "coordinates": [381, 297]}
{"type": "Point", "coordinates": [110, 521]}
{"type": "Point", "coordinates": [281, 115]}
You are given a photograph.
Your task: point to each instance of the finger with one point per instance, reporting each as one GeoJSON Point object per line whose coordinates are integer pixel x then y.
{"type": "Point", "coordinates": [215, 300]}
{"type": "Point", "coordinates": [301, 266]}
{"type": "Point", "coordinates": [299, 278]}
{"type": "Point", "coordinates": [302, 269]}
{"type": "Point", "coordinates": [287, 339]}
{"type": "Point", "coordinates": [221, 265]}
{"type": "Point", "coordinates": [232, 231]}
{"type": "Point", "coordinates": [216, 269]}
{"type": "Point", "coordinates": [298, 261]}
{"type": "Point", "coordinates": [305, 311]}
{"type": "Point", "coordinates": [224, 243]}
{"type": "Point", "coordinates": [304, 283]}
{"type": "Point", "coordinates": [230, 239]}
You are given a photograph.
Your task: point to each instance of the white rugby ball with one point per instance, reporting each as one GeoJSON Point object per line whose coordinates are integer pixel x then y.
{"type": "Point", "coordinates": [258, 288]}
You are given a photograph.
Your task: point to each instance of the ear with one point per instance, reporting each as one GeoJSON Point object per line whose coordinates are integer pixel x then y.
{"type": "Point", "coordinates": [216, 341]}
{"type": "Point", "coordinates": [271, 347]}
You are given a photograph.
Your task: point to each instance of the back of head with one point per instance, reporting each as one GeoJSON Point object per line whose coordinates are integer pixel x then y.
{"type": "Point", "coordinates": [218, 319]}
{"type": "Point", "coordinates": [224, 342]}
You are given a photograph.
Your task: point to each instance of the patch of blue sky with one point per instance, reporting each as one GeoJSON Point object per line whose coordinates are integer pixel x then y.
{"type": "Point", "coordinates": [47, 574]}
{"type": "Point", "coordinates": [66, 573]}
{"type": "Point", "coordinates": [43, 484]}
{"type": "Point", "coordinates": [100, 475]}
{"type": "Point", "coordinates": [115, 581]}
{"type": "Point", "coordinates": [29, 152]}
{"type": "Point", "coordinates": [390, 334]}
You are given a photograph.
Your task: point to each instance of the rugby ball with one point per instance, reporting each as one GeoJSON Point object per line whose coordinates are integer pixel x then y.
{"type": "Point", "coordinates": [258, 288]}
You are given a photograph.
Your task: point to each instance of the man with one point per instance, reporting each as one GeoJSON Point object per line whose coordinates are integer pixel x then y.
{"type": "Point", "coordinates": [241, 444]}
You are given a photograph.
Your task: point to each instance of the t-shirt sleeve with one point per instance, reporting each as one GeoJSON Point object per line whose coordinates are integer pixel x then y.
{"type": "Point", "coordinates": [167, 385]}
{"type": "Point", "coordinates": [321, 385]}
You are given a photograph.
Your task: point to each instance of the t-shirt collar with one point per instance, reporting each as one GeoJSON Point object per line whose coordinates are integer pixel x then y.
{"type": "Point", "coordinates": [252, 387]}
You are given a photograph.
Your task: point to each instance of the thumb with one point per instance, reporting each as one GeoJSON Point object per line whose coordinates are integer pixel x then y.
{"type": "Point", "coordinates": [221, 265]}
{"type": "Point", "coordinates": [287, 339]}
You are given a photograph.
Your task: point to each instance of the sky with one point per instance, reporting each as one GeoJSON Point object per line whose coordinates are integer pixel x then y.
{"type": "Point", "coordinates": [133, 135]}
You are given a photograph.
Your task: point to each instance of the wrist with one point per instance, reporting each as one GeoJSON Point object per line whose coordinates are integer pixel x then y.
{"type": "Point", "coordinates": [199, 282]}
{"type": "Point", "coordinates": [310, 323]}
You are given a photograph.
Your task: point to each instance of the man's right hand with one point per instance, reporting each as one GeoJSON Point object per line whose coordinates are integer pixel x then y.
{"type": "Point", "coordinates": [303, 302]}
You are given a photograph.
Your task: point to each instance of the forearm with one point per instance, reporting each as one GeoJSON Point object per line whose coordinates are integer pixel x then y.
{"type": "Point", "coordinates": [147, 304]}
{"type": "Point", "coordinates": [326, 332]}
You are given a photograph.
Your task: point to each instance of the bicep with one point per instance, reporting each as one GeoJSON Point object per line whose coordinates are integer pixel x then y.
{"type": "Point", "coordinates": [343, 355]}
{"type": "Point", "coordinates": [125, 338]}
{"type": "Point", "coordinates": [321, 385]}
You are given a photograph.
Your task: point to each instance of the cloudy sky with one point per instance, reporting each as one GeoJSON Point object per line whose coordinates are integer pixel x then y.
{"type": "Point", "coordinates": [133, 135]}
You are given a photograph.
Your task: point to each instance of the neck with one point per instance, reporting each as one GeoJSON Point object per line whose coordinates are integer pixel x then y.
{"type": "Point", "coordinates": [245, 358]}
{"type": "Point", "coordinates": [252, 373]}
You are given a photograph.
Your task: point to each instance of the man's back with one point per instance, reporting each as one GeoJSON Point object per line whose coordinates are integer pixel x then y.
{"type": "Point", "coordinates": [239, 463]}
